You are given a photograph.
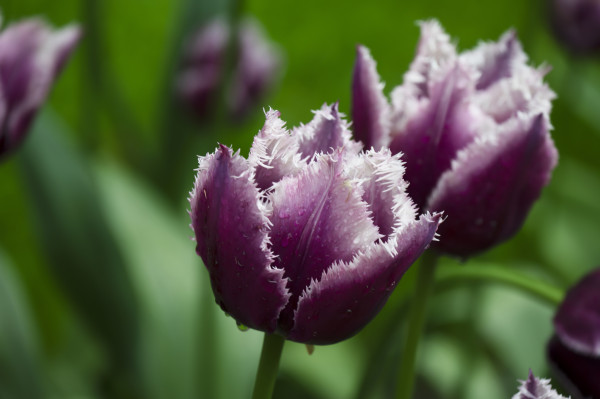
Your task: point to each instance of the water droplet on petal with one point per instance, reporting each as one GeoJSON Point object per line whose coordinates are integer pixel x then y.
{"type": "Point", "coordinates": [283, 214]}
{"type": "Point", "coordinates": [242, 327]}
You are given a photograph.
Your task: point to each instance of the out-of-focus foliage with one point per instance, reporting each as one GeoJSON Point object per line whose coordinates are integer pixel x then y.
{"type": "Point", "coordinates": [99, 189]}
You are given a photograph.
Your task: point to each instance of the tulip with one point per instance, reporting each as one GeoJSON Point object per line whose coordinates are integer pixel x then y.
{"type": "Point", "coordinates": [256, 65]}
{"type": "Point", "coordinates": [536, 388]}
{"type": "Point", "coordinates": [31, 56]}
{"type": "Point", "coordinates": [473, 129]}
{"type": "Point", "coordinates": [204, 61]}
{"type": "Point", "coordinates": [576, 23]}
{"type": "Point", "coordinates": [574, 351]}
{"type": "Point", "coordinates": [308, 236]}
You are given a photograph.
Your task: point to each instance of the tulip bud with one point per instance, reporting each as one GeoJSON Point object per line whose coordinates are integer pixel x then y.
{"type": "Point", "coordinates": [574, 351]}
{"type": "Point", "coordinates": [31, 56]}
{"type": "Point", "coordinates": [255, 69]}
{"type": "Point", "coordinates": [473, 129]}
{"type": "Point", "coordinates": [576, 23]}
{"type": "Point", "coordinates": [308, 236]}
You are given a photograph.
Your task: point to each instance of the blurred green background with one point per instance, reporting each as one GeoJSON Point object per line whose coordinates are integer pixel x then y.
{"type": "Point", "coordinates": [101, 293]}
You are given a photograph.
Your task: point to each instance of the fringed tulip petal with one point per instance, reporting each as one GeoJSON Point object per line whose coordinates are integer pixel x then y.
{"type": "Point", "coordinates": [370, 108]}
{"type": "Point", "coordinates": [349, 294]}
{"type": "Point", "coordinates": [231, 227]}
{"type": "Point", "coordinates": [326, 132]}
{"type": "Point", "coordinates": [491, 186]}
{"type": "Point", "coordinates": [536, 388]}
{"type": "Point", "coordinates": [318, 218]}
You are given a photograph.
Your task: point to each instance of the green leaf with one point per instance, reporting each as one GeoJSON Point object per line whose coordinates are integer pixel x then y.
{"type": "Point", "coordinates": [19, 363]}
{"type": "Point", "coordinates": [160, 255]}
{"type": "Point", "coordinates": [81, 251]}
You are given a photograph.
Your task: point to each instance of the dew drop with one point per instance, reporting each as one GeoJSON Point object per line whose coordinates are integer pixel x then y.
{"type": "Point", "coordinates": [242, 327]}
{"type": "Point", "coordinates": [310, 349]}
{"type": "Point", "coordinates": [283, 214]}
{"type": "Point", "coordinates": [286, 240]}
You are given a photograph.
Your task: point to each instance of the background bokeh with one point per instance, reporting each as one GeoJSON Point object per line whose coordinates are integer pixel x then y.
{"type": "Point", "coordinates": [101, 293]}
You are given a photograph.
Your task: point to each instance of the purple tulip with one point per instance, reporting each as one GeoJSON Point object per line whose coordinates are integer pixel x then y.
{"type": "Point", "coordinates": [308, 236]}
{"type": "Point", "coordinates": [203, 66]}
{"type": "Point", "coordinates": [536, 388]}
{"type": "Point", "coordinates": [256, 66]}
{"type": "Point", "coordinates": [259, 63]}
{"type": "Point", "coordinates": [574, 351]}
{"type": "Point", "coordinates": [31, 56]}
{"type": "Point", "coordinates": [577, 24]}
{"type": "Point", "coordinates": [473, 129]}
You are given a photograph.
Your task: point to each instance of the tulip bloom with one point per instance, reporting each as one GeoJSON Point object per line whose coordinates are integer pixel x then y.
{"type": "Point", "coordinates": [256, 66]}
{"type": "Point", "coordinates": [473, 129]}
{"type": "Point", "coordinates": [577, 24]}
{"type": "Point", "coordinates": [574, 351]}
{"type": "Point", "coordinates": [536, 388]}
{"type": "Point", "coordinates": [31, 56]}
{"type": "Point", "coordinates": [307, 237]}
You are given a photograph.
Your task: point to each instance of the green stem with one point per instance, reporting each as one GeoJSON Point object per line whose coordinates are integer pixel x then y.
{"type": "Point", "coordinates": [425, 281]}
{"type": "Point", "coordinates": [268, 366]}
{"type": "Point", "coordinates": [538, 288]}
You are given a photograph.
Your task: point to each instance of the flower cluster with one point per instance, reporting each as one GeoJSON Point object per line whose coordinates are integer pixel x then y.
{"type": "Point", "coordinates": [31, 56]}
{"type": "Point", "coordinates": [473, 129]}
{"type": "Point", "coordinates": [308, 236]}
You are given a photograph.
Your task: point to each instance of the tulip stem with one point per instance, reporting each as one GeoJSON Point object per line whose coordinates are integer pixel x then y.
{"type": "Point", "coordinates": [423, 289]}
{"type": "Point", "coordinates": [533, 286]}
{"type": "Point", "coordinates": [268, 366]}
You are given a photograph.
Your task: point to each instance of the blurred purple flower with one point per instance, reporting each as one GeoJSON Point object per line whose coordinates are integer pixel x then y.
{"type": "Point", "coordinates": [204, 61]}
{"type": "Point", "coordinates": [31, 56]}
{"type": "Point", "coordinates": [577, 24]}
{"type": "Point", "coordinates": [574, 351]}
{"type": "Point", "coordinates": [257, 63]}
{"type": "Point", "coordinates": [308, 236]}
{"type": "Point", "coordinates": [536, 388]}
{"type": "Point", "coordinates": [473, 129]}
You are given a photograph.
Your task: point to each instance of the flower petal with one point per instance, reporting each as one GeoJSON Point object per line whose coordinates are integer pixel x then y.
{"type": "Point", "coordinates": [444, 124]}
{"type": "Point", "coordinates": [326, 132]}
{"type": "Point", "coordinates": [231, 227]}
{"type": "Point", "coordinates": [434, 52]}
{"type": "Point", "coordinates": [577, 321]}
{"type": "Point", "coordinates": [576, 372]}
{"type": "Point", "coordinates": [384, 189]}
{"type": "Point", "coordinates": [492, 185]}
{"type": "Point", "coordinates": [318, 218]}
{"type": "Point", "coordinates": [274, 152]}
{"type": "Point", "coordinates": [495, 60]}
{"type": "Point", "coordinates": [370, 108]}
{"type": "Point", "coordinates": [536, 388]}
{"type": "Point", "coordinates": [349, 294]}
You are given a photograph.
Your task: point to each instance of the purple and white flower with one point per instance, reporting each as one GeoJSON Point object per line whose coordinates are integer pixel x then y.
{"type": "Point", "coordinates": [31, 56]}
{"type": "Point", "coordinates": [473, 129]}
{"type": "Point", "coordinates": [257, 62]}
{"type": "Point", "coordinates": [308, 236]}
